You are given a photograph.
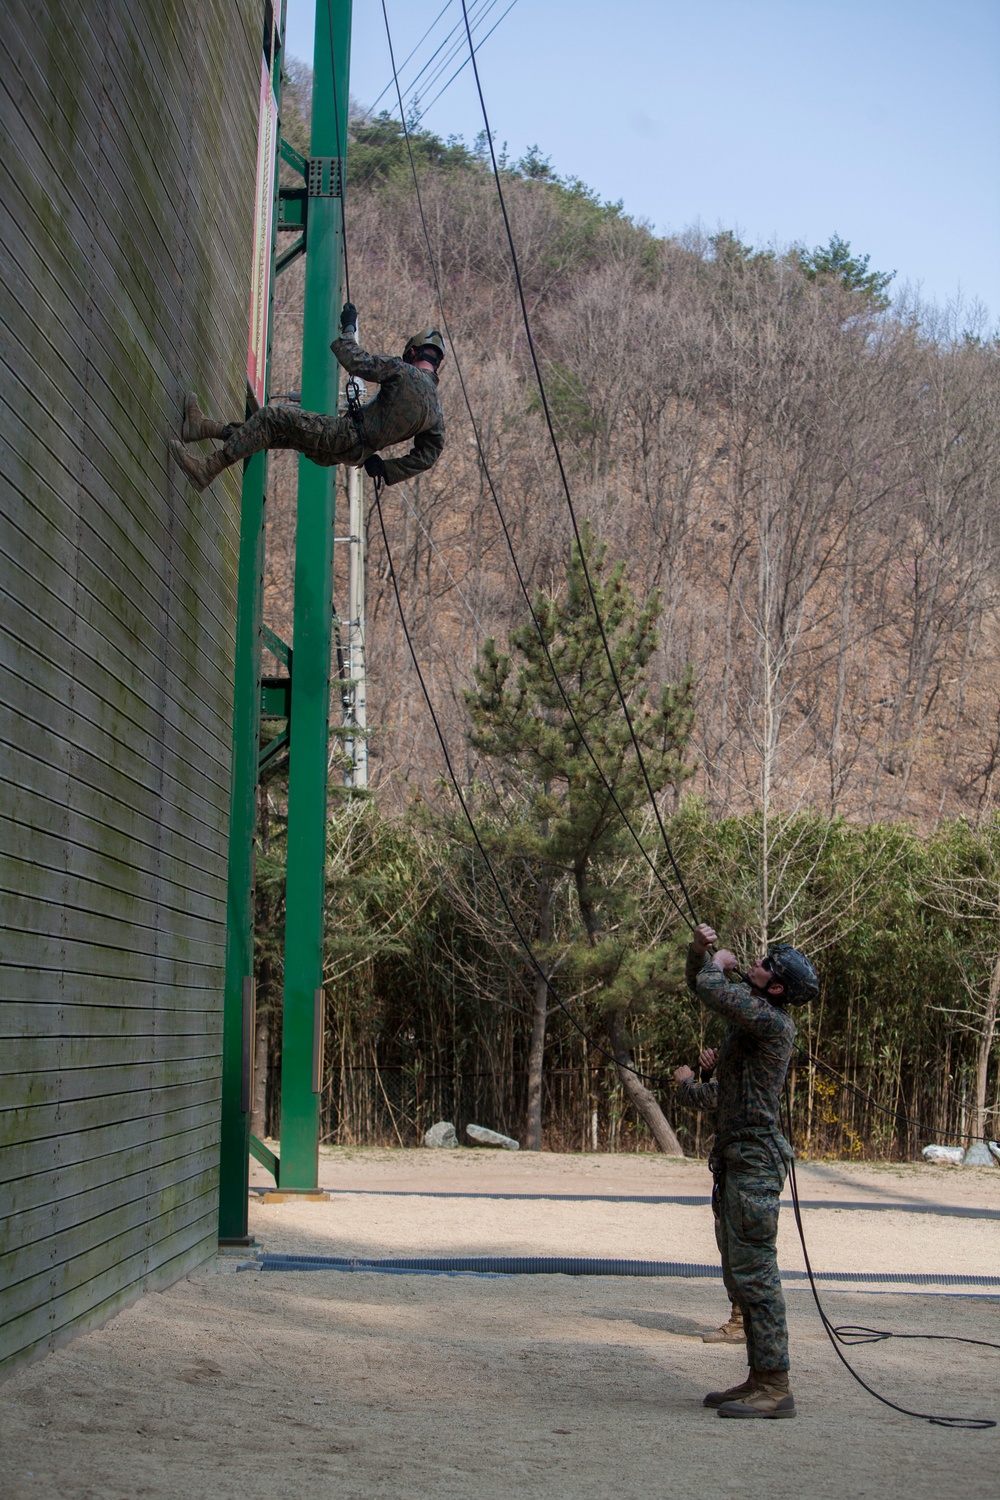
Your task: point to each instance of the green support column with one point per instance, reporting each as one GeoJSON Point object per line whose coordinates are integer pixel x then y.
{"type": "Point", "coordinates": [312, 621]}
{"type": "Point", "coordinates": [237, 1021]}
{"type": "Point", "coordinates": [237, 1031]}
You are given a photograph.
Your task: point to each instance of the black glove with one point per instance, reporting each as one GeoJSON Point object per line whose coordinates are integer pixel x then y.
{"type": "Point", "coordinates": [375, 468]}
{"type": "Point", "coordinates": [349, 317]}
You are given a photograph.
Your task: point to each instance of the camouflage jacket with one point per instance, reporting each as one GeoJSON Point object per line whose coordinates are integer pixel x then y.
{"type": "Point", "coordinates": [406, 406]}
{"type": "Point", "coordinates": [745, 1089]}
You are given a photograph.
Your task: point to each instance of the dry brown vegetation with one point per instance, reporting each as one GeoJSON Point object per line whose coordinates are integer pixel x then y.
{"type": "Point", "coordinates": [809, 477]}
{"type": "Point", "coordinates": [810, 481]}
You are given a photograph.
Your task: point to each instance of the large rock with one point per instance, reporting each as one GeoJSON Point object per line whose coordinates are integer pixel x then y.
{"type": "Point", "coordinates": [978, 1155]}
{"type": "Point", "coordinates": [441, 1135]}
{"type": "Point", "coordinates": [480, 1136]}
{"type": "Point", "coordinates": [943, 1153]}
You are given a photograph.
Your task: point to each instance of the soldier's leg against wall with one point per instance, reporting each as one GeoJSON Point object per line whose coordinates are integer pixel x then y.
{"type": "Point", "coordinates": [752, 1189]}
{"type": "Point", "coordinates": [326, 440]}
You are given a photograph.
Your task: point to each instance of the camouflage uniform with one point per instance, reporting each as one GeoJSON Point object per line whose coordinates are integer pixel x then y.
{"type": "Point", "coordinates": [406, 406]}
{"type": "Point", "coordinates": [750, 1155]}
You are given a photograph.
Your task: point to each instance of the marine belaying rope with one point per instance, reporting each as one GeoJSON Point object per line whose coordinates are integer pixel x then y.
{"type": "Point", "coordinates": [850, 1334]}
{"type": "Point", "coordinates": [973, 1423]}
{"type": "Point", "coordinates": [515, 264]}
{"type": "Point", "coordinates": [341, 157]}
{"type": "Point", "coordinates": [352, 391]}
{"type": "Point", "coordinates": [846, 1334]}
{"type": "Point", "coordinates": [467, 813]}
{"type": "Point", "coordinates": [691, 920]}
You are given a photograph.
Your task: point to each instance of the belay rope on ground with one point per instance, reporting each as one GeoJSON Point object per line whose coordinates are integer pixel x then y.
{"type": "Point", "coordinates": [849, 1334]}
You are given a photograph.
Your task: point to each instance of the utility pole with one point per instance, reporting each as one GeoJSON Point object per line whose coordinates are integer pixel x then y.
{"type": "Point", "coordinates": [356, 704]}
{"type": "Point", "coordinates": [303, 1021]}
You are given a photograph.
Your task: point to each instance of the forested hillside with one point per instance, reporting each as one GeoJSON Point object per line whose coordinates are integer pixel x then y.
{"type": "Point", "coordinates": [800, 480]}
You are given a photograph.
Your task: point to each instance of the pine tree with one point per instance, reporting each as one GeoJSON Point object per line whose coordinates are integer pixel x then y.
{"type": "Point", "coordinates": [560, 818]}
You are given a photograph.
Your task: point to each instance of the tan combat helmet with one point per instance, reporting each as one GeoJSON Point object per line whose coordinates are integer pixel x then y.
{"type": "Point", "coordinates": [430, 338]}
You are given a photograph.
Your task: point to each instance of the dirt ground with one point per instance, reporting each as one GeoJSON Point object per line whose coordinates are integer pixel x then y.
{"type": "Point", "coordinates": [362, 1385]}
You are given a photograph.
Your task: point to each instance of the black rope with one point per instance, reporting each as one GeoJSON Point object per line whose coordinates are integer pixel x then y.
{"type": "Point", "coordinates": [484, 465]}
{"type": "Point", "coordinates": [896, 1114]}
{"type": "Point", "coordinates": [847, 1334]}
{"type": "Point", "coordinates": [523, 939]}
{"type": "Point", "coordinates": [341, 158]}
{"type": "Point", "coordinates": [562, 471]}
{"type": "Point", "coordinates": [850, 1334]}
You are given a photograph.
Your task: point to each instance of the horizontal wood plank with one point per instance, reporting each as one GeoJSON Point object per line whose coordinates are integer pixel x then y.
{"type": "Point", "coordinates": [40, 1138]}
{"type": "Point", "coordinates": [126, 1258]}
{"type": "Point", "coordinates": [136, 1183]}
{"type": "Point", "coordinates": [105, 1081]}
{"type": "Point", "coordinates": [143, 1153]}
{"type": "Point", "coordinates": [126, 212]}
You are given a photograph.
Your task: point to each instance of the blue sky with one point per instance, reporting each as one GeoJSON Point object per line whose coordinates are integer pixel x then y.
{"type": "Point", "coordinates": [786, 120]}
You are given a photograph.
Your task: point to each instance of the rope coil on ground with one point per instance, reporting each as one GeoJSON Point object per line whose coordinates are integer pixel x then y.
{"type": "Point", "coordinates": [851, 1334]}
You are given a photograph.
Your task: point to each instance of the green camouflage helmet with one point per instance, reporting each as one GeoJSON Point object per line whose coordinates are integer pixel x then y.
{"type": "Point", "coordinates": [430, 338]}
{"type": "Point", "coordinates": [795, 972]}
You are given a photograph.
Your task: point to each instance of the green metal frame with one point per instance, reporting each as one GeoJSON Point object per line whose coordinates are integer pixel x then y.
{"type": "Point", "coordinates": [302, 1038]}
{"type": "Point", "coordinates": [239, 1004]}
{"type": "Point", "coordinates": [303, 697]}
{"type": "Point", "coordinates": [266, 1158]}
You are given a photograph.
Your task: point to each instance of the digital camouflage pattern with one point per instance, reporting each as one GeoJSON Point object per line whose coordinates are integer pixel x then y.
{"type": "Point", "coordinates": [750, 1155]}
{"type": "Point", "coordinates": [747, 1180]}
{"type": "Point", "coordinates": [326, 440]}
{"type": "Point", "coordinates": [406, 406]}
{"type": "Point", "coordinates": [754, 1055]}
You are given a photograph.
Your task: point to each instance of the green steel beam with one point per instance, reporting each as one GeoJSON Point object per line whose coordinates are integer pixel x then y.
{"type": "Point", "coordinates": [310, 708]}
{"type": "Point", "coordinates": [275, 697]}
{"type": "Point", "coordinates": [294, 159]}
{"type": "Point", "coordinates": [266, 1158]}
{"type": "Point", "coordinates": [286, 258]}
{"type": "Point", "coordinates": [237, 1026]}
{"type": "Point", "coordinates": [278, 647]}
{"type": "Point", "coordinates": [237, 1020]}
{"type": "Point", "coordinates": [271, 752]}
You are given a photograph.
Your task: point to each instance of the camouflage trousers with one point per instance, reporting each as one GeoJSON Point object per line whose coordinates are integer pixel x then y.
{"type": "Point", "coordinates": [747, 1180]}
{"type": "Point", "coordinates": [326, 440]}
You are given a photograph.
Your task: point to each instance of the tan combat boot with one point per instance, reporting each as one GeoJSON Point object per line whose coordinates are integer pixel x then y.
{"type": "Point", "coordinates": [734, 1393]}
{"type": "Point", "coordinates": [196, 425]}
{"type": "Point", "coordinates": [771, 1398]}
{"type": "Point", "coordinates": [732, 1332]}
{"type": "Point", "coordinates": [200, 471]}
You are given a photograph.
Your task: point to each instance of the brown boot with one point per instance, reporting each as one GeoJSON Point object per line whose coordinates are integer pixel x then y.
{"type": "Point", "coordinates": [734, 1393]}
{"type": "Point", "coordinates": [771, 1398]}
{"type": "Point", "coordinates": [196, 425]}
{"type": "Point", "coordinates": [732, 1332]}
{"type": "Point", "coordinates": [200, 471]}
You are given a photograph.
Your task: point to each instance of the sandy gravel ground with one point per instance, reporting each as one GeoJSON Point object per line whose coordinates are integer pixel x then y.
{"type": "Point", "coordinates": [359, 1385]}
{"type": "Point", "coordinates": [412, 1203]}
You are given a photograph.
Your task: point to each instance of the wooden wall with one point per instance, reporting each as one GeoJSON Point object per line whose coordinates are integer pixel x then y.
{"type": "Point", "coordinates": [126, 202]}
